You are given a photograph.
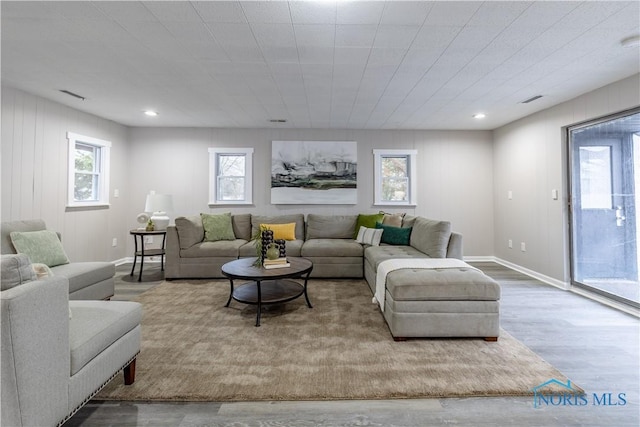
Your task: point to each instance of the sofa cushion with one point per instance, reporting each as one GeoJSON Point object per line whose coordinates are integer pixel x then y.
{"type": "Point", "coordinates": [16, 269]}
{"type": "Point", "coordinates": [42, 246]}
{"type": "Point", "coordinates": [374, 255]}
{"type": "Point", "coordinates": [281, 231]}
{"type": "Point", "coordinates": [221, 248]}
{"type": "Point", "coordinates": [241, 226]}
{"type": "Point", "coordinates": [395, 235]}
{"type": "Point", "coordinates": [431, 236]}
{"type": "Point", "coordinates": [331, 226]}
{"type": "Point", "coordinates": [96, 325]}
{"type": "Point", "coordinates": [83, 274]}
{"type": "Point", "coordinates": [217, 227]}
{"type": "Point", "coordinates": [256, 220]}
{"type": "Point", "coordinates": [331, 248]}
{"type": "Point", "coordinates": [368, 221]}
{"type": "Point", "coordinates": [190, 230]}
{"type": "Point", "coordinates": [448, 284]}
{"type": "Point", "coordinates": [369, 236]}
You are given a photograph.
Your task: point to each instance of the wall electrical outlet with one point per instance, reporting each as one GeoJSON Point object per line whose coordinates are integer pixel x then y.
{"type": "Point", "coordinates": [148, 239]}
{"type": "Point", "coordinates": [523, 247]}
{"type": "Point", "coordinates": [509, 194]}
{"type": "Point", "coordinates": [510, 243]}
{"type": "Point", "coordinates": [114, 242]}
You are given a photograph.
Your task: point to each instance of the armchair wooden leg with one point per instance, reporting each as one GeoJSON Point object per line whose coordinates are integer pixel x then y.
{"type": "Point", "coordinates": [130, 373]}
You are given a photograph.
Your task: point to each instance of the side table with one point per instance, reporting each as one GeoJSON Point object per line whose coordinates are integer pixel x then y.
{"type": "Point", "coordinates": [149, 252]}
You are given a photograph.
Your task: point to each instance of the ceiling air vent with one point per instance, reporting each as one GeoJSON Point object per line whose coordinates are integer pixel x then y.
{"type": "Point", "coordinates": [75, 95]}
{"type": "Point", "coordinates": [278, 121]}
{"type": "Point", "coordinates": [526, 101]}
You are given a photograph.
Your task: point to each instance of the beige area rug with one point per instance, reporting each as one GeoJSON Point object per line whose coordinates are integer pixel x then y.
{"type": "Point", "coordinates": [195, 349]}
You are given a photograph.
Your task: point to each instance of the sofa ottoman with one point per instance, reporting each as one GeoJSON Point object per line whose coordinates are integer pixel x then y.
{"type": "Point", "coordinates": [442, 302]}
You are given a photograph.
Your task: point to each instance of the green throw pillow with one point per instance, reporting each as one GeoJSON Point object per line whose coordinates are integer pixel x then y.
{"type": "Point", "coordinates": [42, 247]}
{"type": "Point", "coordinates": [395, 235]}
{"type": "Point", "coordinates": [217, 227]}
{"type": "Point", "coordinates": [368, 221]}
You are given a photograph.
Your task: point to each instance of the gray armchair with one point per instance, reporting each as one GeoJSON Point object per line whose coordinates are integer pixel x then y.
{"type": "Point", "coordinates": [57, 354]}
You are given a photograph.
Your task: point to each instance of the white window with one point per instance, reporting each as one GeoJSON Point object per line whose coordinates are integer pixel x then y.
{"type": "Point", "coordinates": [395, 177]}
{"type": "Point", "coordinates": [88, 171]}
{"type": "Point", "coordinates": [230, 176]}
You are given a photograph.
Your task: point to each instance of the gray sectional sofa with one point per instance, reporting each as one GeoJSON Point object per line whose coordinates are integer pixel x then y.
{"type": "Point", "coordinates": [326, 240]}
{"type": "Point", "coordinates": [87, 280]}
{"type": "Point", "coordinates": [452, 300]}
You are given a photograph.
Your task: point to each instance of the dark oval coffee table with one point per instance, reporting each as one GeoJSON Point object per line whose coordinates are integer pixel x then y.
{"type": "Point", "coordinates": [267, 286]}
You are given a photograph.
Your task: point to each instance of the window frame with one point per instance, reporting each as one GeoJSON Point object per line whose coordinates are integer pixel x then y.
{"type": "Point", "coordinates": [103, 154]}
{"type": "Point", "coordinates": [214, 153]}
{"type": "Point", "coordinates": [411, 175]}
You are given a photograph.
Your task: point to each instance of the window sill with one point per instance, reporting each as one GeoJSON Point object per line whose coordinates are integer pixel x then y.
{"type": "Point", "coordinates": [400, 205]}
{"type": "Point", "coordinates": [88, 206]}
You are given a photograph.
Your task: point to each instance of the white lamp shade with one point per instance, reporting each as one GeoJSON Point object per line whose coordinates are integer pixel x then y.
{"type": "Point", "coordinates": [159, 205]}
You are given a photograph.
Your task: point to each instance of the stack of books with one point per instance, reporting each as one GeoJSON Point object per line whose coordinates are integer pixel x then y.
{"type": "Point", "coordinates": [275, 263]}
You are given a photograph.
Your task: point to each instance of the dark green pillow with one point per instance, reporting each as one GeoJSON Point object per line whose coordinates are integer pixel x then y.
{"type": "Point", "coordinates": [368, 221]}
{"type": "Point", "coordinates": [395, 235]}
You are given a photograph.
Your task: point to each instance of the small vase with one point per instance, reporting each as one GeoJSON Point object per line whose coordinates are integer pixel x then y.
{"type": "Point", "coordinates": [273, 251]}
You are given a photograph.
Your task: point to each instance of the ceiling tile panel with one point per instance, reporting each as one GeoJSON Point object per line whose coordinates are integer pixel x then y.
{"type": "Point", "coordinates": [132, 11]}
{"type": "Point", "coordinates": [355, 35]}
{"type": "Point", "coordinates": [267, 12]}
{"type": "Point", "coordinates": [452, 13]}
{"type": "Point", "coordinates": [395, 36]}
{"type": "Point", "coordinates": [315, 35]}
{"type": "Point", "coordinates": [365, 12]}
{"type": "Point", "coordinates": [315, 55]}
{"type": "Point", "coordinates": [274, 34]}
{"type": "Point", "coordinates": [308, 12]}
{"type": "Point", "coordinates": [405, 13]}
{"type": "Point", "coordinates": [171, 11]}
{"type": "Point", "coordinates": [220, 11]}
{"type": "Point", "coordinates": [232, 34]}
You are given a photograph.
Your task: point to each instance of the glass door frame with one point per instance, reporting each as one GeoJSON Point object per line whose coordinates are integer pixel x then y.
{"type": "Point", "coordinates": [570, 159]}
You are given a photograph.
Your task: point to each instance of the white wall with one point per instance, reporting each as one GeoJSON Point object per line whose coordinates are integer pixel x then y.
{"type": "Point", "coordinates": [530, 160]}
{"type": "Point", "coordinates": [34, 174]}
{"type": "Point", "coordinates": [455, 173]}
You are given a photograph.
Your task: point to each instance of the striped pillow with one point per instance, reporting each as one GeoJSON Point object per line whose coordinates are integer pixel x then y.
{"type": "Point", "coordinates": [369, 236]}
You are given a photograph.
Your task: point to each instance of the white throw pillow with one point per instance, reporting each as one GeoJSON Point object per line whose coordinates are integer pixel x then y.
{"type": "Point", "coordinates": [369, 236]}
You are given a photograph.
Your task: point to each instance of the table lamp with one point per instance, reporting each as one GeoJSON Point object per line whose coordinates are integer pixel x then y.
{"type": "Point", "coordinates": [159, 205]}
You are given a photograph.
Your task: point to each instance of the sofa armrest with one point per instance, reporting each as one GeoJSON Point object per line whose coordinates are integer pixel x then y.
{"type": "Point", "coordinates": [454, 249]}
{"type": "Point", "coordinates": [34, 359]}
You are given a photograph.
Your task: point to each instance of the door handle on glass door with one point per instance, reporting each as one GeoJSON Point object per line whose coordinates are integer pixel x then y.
{"type": "Point", "coordinates": [620, 218]}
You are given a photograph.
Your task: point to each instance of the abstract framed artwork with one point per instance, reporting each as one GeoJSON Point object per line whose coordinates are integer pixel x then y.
{"type": "Point", "coordinates": [314, 172]}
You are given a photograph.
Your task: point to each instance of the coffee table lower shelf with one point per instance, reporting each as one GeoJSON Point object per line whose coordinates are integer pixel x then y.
{"type": "Point", "coordinates": [267, 292]}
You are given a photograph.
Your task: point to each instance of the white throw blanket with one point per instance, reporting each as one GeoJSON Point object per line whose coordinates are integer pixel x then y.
{"type": "Point", "coordinates": [389, 265]}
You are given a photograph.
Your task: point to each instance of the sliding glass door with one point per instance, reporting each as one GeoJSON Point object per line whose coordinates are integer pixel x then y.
{"type": "Point", "coordinates": [605, 184]}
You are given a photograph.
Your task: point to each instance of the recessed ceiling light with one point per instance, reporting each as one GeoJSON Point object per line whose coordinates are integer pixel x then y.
{"type": "Point", "coordinates": [479, 116]}
{"type": "Point", "coordinates": [151, 113]}
{"type": "Point", "coordinates": [633, 41]}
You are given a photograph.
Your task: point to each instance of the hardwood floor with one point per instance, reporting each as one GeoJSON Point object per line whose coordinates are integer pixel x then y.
{"type": "Point", "coordinates": [596, 346]}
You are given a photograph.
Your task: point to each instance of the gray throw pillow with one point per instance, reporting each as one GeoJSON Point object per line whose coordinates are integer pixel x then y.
{"type": "Point", "coordinates": [217, 227]}
{"type": "Point", "coordinates": [41, 246]}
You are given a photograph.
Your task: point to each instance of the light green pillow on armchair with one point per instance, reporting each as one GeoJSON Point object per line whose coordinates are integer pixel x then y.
{"type": "Point", "coordinates": [42, 247]}
{"type": "Point", "coordinates": [217, 227]}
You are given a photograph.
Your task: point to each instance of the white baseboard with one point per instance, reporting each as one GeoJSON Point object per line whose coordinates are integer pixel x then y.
{"type": "Point", "coordinates": [147, 260]}
{"type": "Point", "coordinates": [558, 284]}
